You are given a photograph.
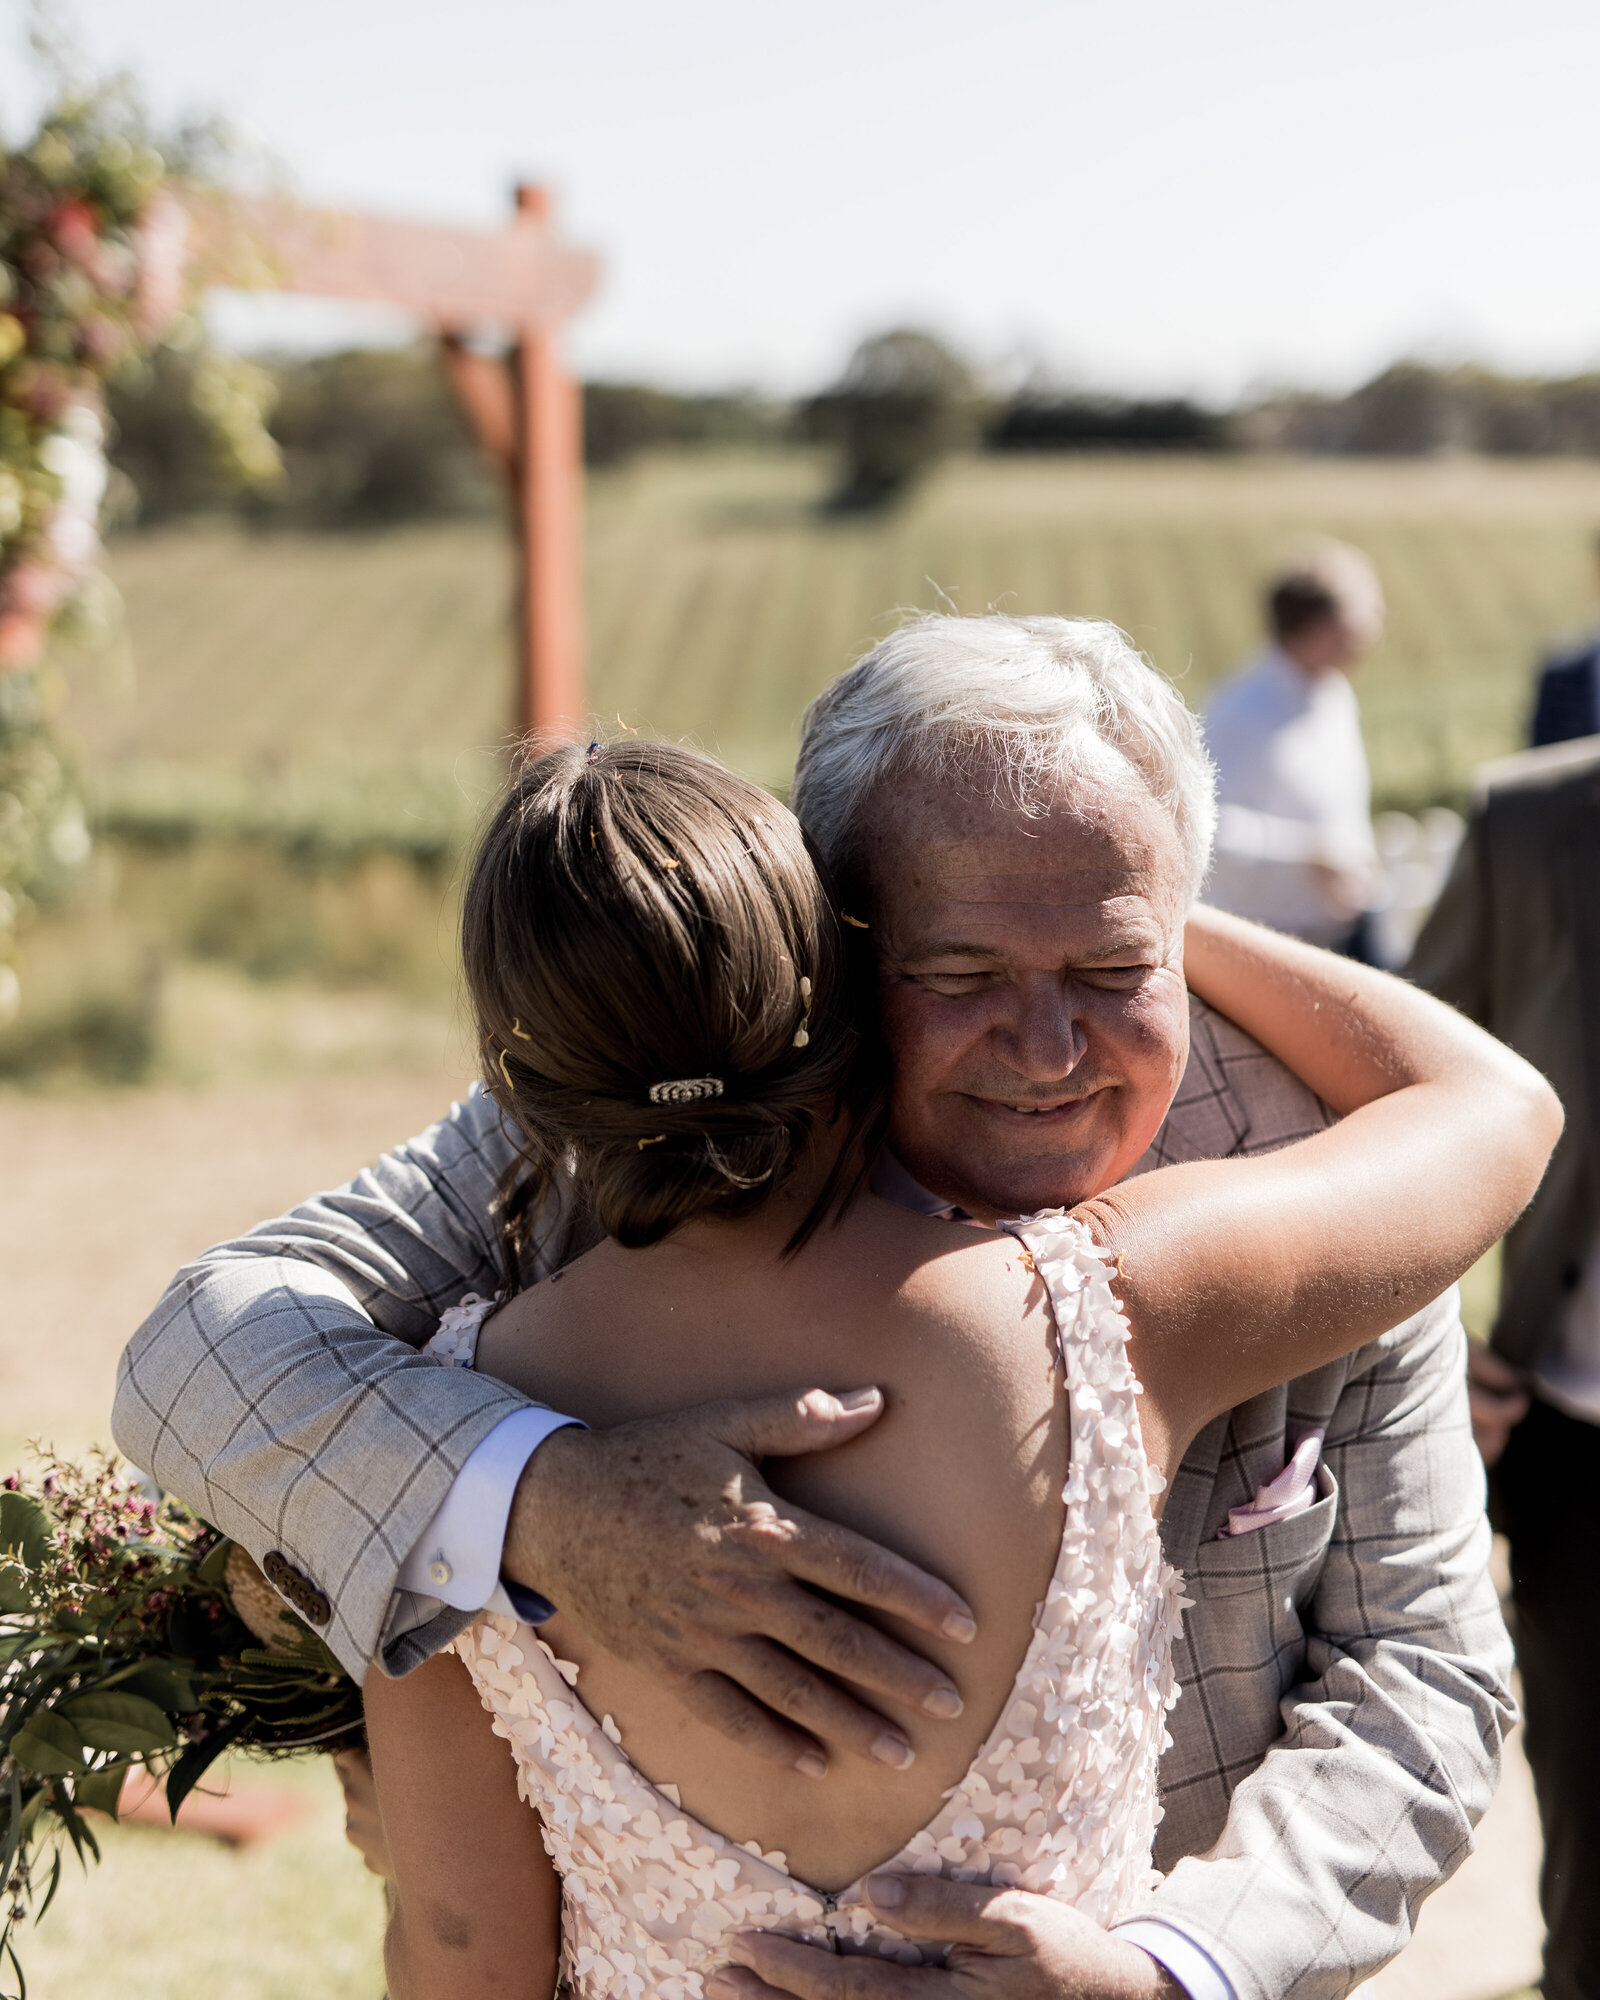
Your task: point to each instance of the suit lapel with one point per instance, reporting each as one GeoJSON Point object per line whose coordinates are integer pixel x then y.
{"type": "Point", "coordinates": [1183, 1519]}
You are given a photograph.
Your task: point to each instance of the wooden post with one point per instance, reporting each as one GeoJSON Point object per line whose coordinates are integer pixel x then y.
{"type": "Point", "coordinates": [549, 505]}
{"type": "Point", "coordinates": [529, 415]}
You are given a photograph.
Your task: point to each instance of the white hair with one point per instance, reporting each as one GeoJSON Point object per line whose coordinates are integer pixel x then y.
{"type": "Point", "coordinates": [1015, 706]}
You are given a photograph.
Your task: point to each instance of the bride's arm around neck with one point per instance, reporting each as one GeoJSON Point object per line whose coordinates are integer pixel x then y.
{"type": "Point", "coordinates": [1237, 1274]}
{"type": "Point", "coordinates": [474, 1897]}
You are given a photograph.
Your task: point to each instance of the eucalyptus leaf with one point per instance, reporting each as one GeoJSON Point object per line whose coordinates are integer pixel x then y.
{"type": "Point", "coordinates": [25, 1529]}
{"type": "Point", "coordinates": [192, 1766]}
{"type": "Point", "coordinates": [48, 1743]}
{"type": "Point", "coordinates": [101, 1791]}
{"type": "Point", "coordinates": [165, 1683]}
{"type": "Point", "coordinates": [120, 1722]}
{"type": "Point", "coordinates": [212, 1568]}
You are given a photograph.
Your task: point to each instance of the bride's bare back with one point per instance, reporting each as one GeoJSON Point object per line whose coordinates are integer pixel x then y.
{"type": "Point", "coordinates": [963, 1473]}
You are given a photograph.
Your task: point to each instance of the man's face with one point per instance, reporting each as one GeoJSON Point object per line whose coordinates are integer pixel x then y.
{"type": "Point", "coordinates": [1032, 987]}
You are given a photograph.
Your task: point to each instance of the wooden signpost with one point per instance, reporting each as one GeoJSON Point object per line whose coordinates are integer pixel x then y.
{"type": "Point", "coordinates": [523, 283]}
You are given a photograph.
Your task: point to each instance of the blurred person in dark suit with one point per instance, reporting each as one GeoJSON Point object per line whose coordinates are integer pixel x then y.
{"type": "Point", "coordinates": [1568, 701]}
{"type": "Point", "coordinates": [1294, 844]}
{"type": "Point", "coordinates": [1515, 944]}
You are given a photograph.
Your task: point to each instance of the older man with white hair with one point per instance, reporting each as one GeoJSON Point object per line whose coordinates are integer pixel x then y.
{"type": "Point", "coordinates": [983, 790]}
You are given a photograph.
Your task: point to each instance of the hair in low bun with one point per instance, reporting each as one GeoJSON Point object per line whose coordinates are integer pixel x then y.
{"type": "Point", "coordinates": [666, 1000]}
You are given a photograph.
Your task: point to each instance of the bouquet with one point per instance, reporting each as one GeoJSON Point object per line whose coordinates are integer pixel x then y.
{"type": "Point", "coordinates": [133, 1634]}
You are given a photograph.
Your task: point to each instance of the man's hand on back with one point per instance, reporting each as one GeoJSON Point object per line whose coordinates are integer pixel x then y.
{"type": "Point", "coordinates": [1002, 1944]}
{"type": "Point", "coordinates": [662, 1541]}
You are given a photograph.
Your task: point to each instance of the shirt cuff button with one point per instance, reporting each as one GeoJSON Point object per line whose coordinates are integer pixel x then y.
{"type": "Point", "coordinates": [439, 1571]}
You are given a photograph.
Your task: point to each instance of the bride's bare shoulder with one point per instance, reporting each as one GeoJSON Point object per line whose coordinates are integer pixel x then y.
{"type": "Point", "coordinates": [956, 1272]}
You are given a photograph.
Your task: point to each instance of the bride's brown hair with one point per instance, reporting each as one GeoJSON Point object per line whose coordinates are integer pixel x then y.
{"type": "Point", "coordinates": [636, 915]}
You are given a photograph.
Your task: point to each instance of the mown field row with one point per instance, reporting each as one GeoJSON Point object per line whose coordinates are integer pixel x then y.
{"type": "Point", "coordinates": [720, 600]}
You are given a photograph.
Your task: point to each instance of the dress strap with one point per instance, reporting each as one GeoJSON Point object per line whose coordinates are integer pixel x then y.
{"type": "Point", "coordinates": [455, 1345]}
{"type": "Point", "coordinates": [1092, 1333]}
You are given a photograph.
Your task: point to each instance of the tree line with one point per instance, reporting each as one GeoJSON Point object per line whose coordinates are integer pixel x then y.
{"type": "Point", "coordinates": [368, 438]}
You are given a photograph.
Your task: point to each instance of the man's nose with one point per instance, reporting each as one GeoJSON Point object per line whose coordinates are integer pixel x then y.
{"type": "Point", "coordinates": [1044, 1039]}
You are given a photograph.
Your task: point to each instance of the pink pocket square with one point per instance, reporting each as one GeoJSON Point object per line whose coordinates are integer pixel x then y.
{"type": "Point", "coordinates": [1290, 1493]}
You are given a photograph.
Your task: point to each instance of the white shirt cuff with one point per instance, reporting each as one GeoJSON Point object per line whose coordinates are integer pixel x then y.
{"type": "Point", "coordinates": [457, 1557]}
{"type": "Point", "coordinates": [1195, 1970]}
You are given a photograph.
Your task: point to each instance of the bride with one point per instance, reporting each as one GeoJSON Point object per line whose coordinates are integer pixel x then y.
{"type": "Point", "coordinates": [673, 1012]}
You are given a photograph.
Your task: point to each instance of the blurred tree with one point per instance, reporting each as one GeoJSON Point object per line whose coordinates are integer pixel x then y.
{"type": "Point", "coordinates": [903, 401]}
{"type": "Point", "coordinates": [371, 437]}
{"type": "Point", "coordinates": [1412, 409]}
{"type": "Point", "coordinates": [623, 419]}
{"type": "Point", "coordinates": [1033, 420]}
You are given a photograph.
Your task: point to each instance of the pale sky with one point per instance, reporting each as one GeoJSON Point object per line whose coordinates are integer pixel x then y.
{"type": "Point", "coordinates": [1177, 195]}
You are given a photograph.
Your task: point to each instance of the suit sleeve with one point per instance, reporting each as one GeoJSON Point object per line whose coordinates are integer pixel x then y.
{"type": "Point", "coordinates": [278, 1390]}
{"type": "Point", "coordinates": [1546, 726]}
{"type": "Point", "coordinates": [1451, 956]}
{"type": "Point", "coordinates": [1391, 1741]}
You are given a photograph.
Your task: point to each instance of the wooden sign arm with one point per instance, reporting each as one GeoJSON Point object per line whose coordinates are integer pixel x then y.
{"type": "Point", "coordinates": [485, 391]}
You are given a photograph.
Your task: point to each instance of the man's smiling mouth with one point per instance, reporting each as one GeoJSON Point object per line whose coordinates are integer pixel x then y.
{"type": "Point", "coordinates": [1051, 1107]}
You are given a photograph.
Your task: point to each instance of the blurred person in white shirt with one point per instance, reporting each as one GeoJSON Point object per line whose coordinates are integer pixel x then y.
{"type": "Point", "coordinates": [1294, 835]}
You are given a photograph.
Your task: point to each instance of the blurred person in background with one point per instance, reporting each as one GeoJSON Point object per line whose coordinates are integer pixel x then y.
{"type": "Point", "coordinates": [1515, 944]}
{"type": "Point", "coordinates": [1294, 831]}
{"type": "Point", "coordinates": [1568, 702]}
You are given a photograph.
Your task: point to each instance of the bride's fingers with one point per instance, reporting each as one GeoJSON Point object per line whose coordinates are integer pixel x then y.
{"type": "Point", "coordinates": [727, 1708]}
{"type": "Point", "coordinates": [819, 1634]}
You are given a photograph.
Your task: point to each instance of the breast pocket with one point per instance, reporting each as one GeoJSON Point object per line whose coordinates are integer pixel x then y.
{"type": "Point", "coordinates": [1282, 1561]}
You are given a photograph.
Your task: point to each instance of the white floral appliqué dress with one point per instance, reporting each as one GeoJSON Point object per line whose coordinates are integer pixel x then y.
{"type": "Point", "coordinates": [1061, 1799]}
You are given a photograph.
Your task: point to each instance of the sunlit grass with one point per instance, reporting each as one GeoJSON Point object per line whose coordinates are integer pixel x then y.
{"type": "Point", "coordinates": [169, 1916]}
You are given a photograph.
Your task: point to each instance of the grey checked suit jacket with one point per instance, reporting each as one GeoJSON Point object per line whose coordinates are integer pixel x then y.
{"type": "Point", "coordinates": [1344, 1673]}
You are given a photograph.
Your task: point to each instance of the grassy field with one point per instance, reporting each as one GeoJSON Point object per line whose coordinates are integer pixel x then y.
{"type": "Point", "coordinates": [720, 600]}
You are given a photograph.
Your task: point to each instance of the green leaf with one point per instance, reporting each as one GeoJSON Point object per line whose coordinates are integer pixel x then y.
{"type": "Point", "coordinates": [48, 1743]}
{"type": "Point", "coordinates": [24, 1529]}
{"type": "Point", "coordinates": [165, 1683]}
{"type": "Point", "coordinates": [120, 1722]}
{"type": "Point", "coordinates": [13, 1643]}
{"type": "Point", "coordinates": [101, 1791]}
{"type": "Point", "coordinates": [13, 1586]}
{"type": "Point", "coordinates": [210, 1570]}
{"type": "Point", "coordinates": [192, 1766]}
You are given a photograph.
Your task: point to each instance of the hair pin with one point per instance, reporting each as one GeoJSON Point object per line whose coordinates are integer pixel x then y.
{"type": "Point", "coordinates": [505, 1072]}
{"type": "Point", "coordinates": [686, 1090]}
{"type": "Point", "coordinates": [855, 923]}
{"type": "Point", "coordinates": [670, 864]}
{"type": "Point", "coordinates": [802, 1034]}
{"type": "Point", "coordinates": [520, 1032]}
{"type": "Point", "coordinates": [592, 752]}
{"type": "Point", "coordinates": [656, 1141]}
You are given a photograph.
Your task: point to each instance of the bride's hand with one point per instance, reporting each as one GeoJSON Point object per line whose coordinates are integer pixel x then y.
{"type": "Point", "coordinates": [1004, 1944]}
{"type": "Point", "coordinates": [663, 1543]}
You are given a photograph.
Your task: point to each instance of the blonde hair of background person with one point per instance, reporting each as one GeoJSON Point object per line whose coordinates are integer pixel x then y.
{"type": "Point", "coordinates": [604, 875]}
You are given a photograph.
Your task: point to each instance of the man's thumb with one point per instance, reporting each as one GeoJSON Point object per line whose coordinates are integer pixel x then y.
{"type": "Point", "coordinates": [787, 1426]}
